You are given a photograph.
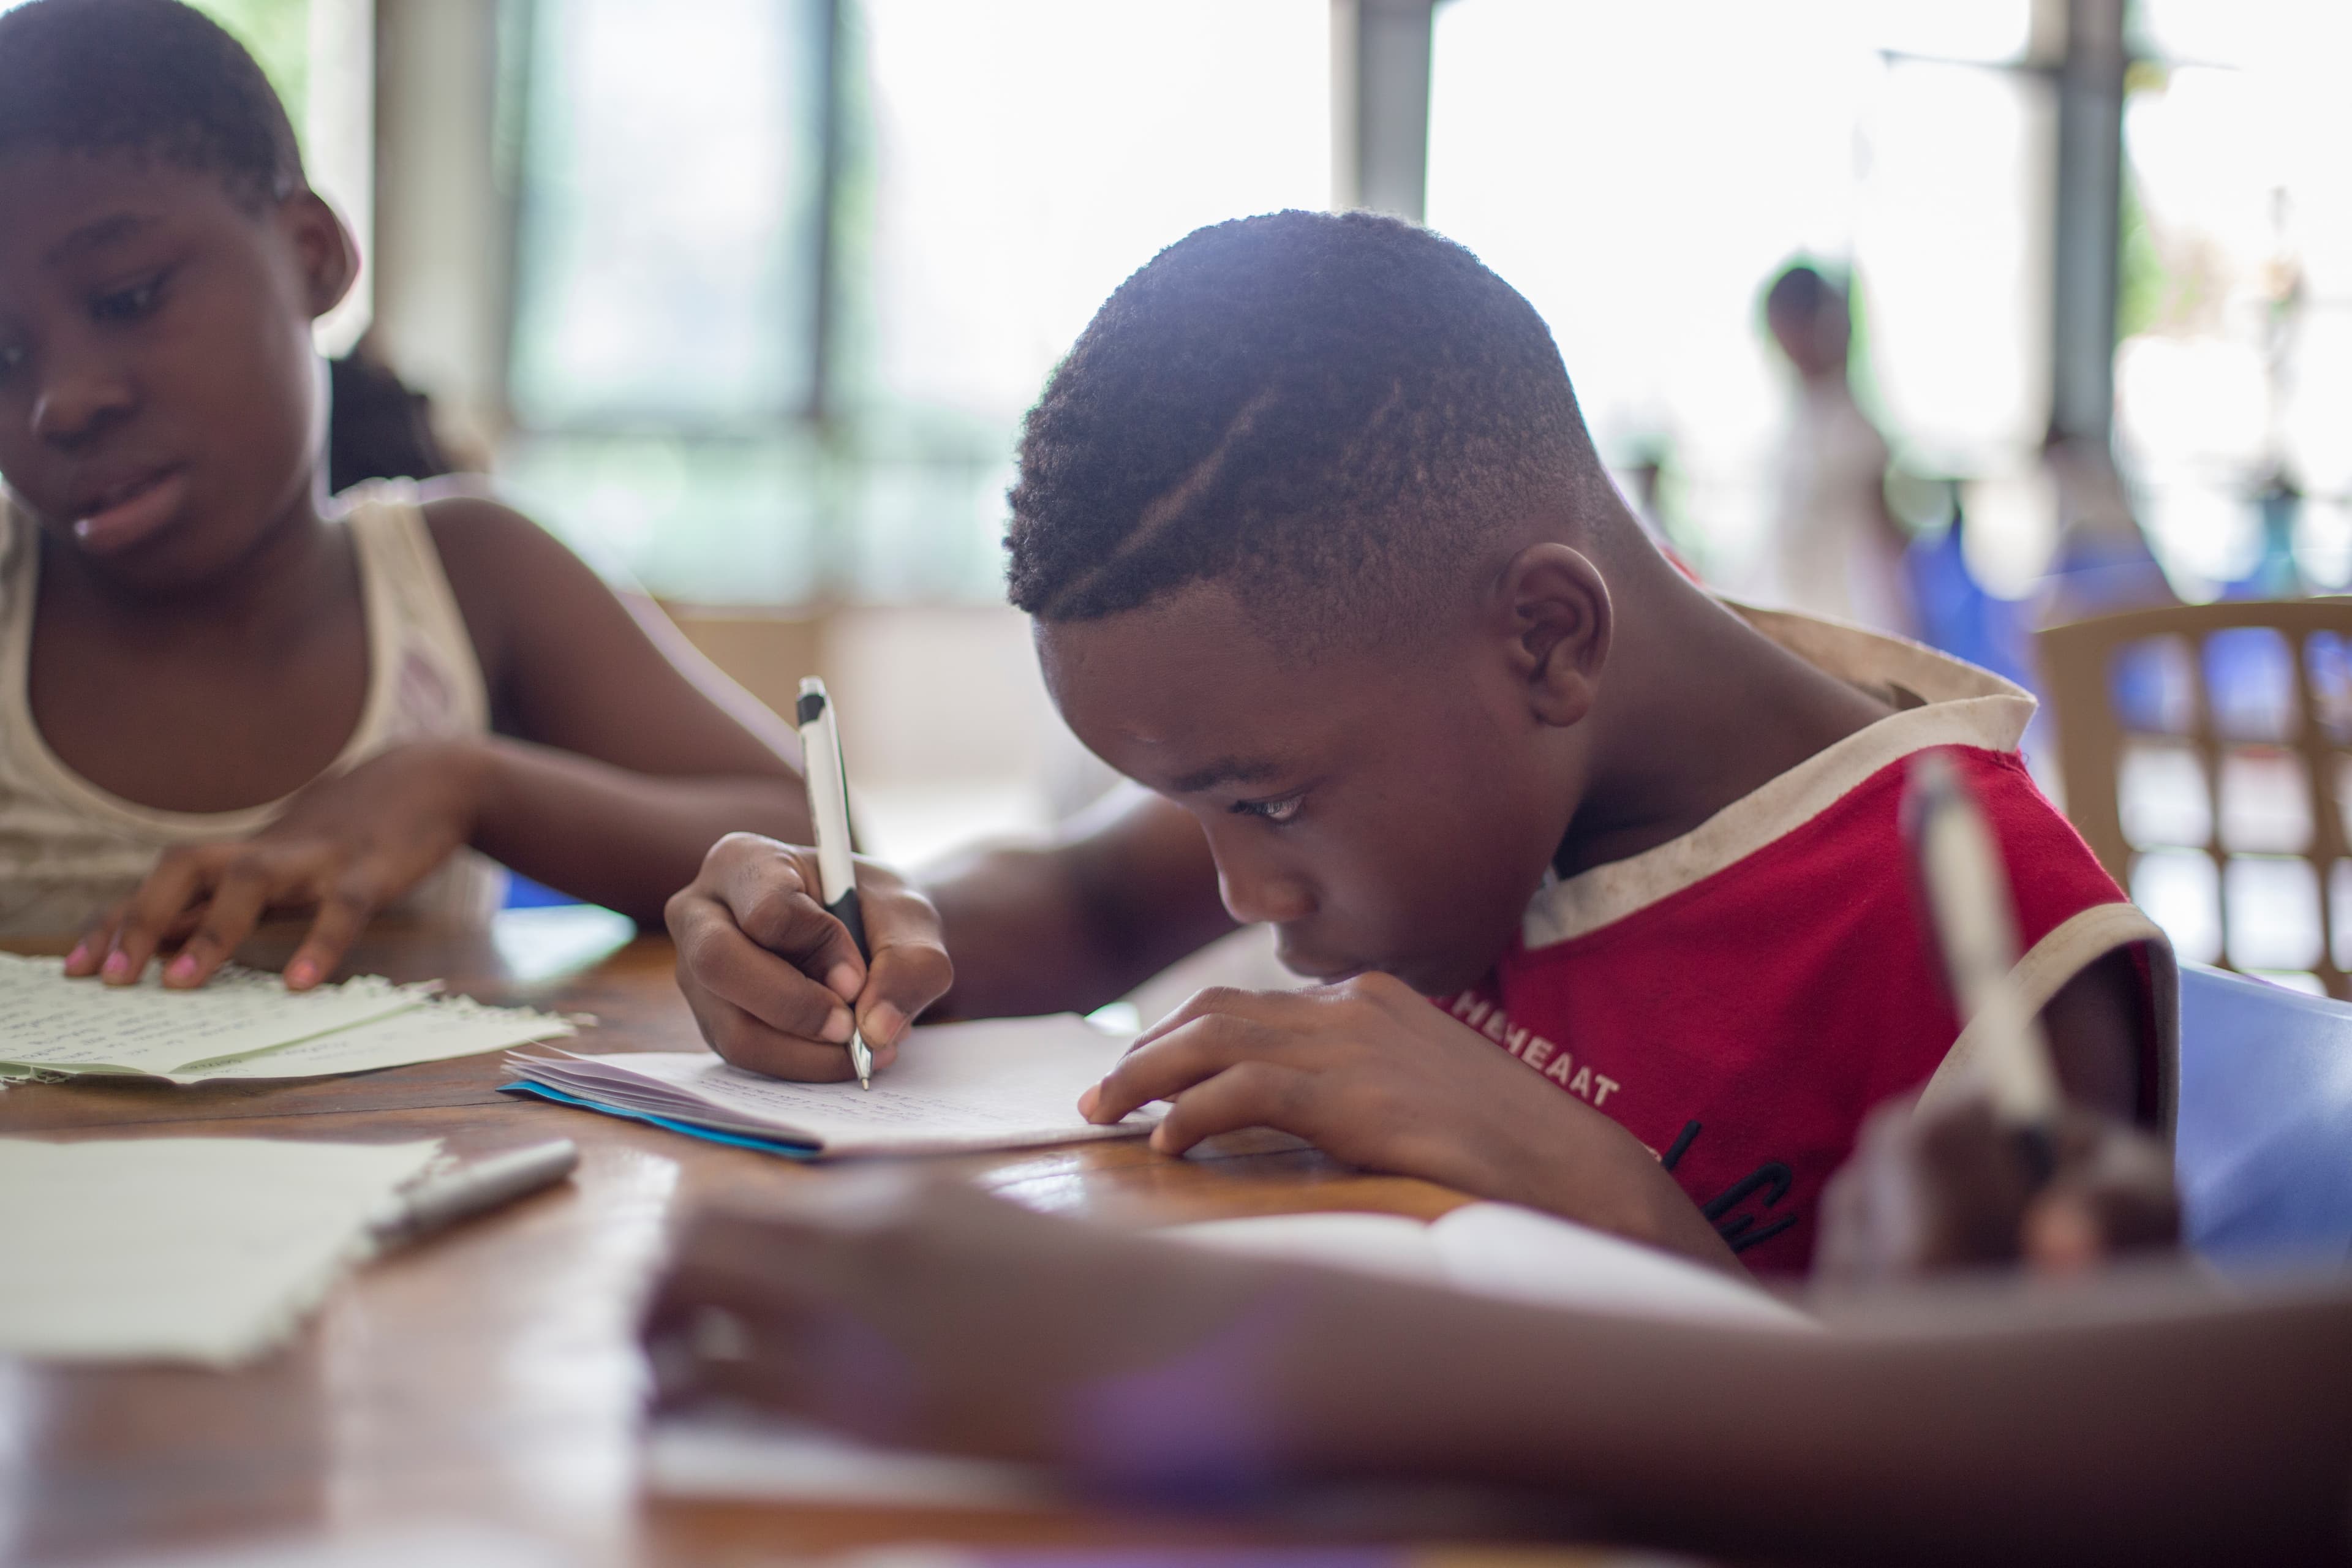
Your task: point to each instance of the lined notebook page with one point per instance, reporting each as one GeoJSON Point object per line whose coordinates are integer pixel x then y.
{"type": "Point", "coordinates": [243, 1024]}
{"type": "Point", "coordinates": [79, 1026]}
{"type": "Point", "coordinates": [441, 1028]}
{"type": "Point", "coordinates": [999, 1084]}
{"type": "Point", "coordinates": [198, 1250]}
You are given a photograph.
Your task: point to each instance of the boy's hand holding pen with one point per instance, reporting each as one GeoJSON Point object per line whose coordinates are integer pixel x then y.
{"type": "Point", "coordinates": [803, 962]}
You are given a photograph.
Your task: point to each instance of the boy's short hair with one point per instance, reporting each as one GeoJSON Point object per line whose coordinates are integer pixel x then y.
{"type": "Point", "coordinates": [1334, 414]}
{"type": "Point", "coordinates": [150, 77]}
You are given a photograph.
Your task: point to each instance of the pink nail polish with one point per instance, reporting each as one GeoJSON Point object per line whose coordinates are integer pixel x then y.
{"type": "Point", "coordinates": [116, 965]}
{"type": "Point", "coordinates": [81, 954]}
{"type": "Point", "coordinates": [301, 972]}
{"type": "Point", "coordinates": [183, 967]}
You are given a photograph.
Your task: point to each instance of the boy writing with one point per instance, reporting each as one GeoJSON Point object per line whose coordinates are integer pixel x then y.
{"type": "Point", "coordinates": [293, 709]}
{"type": "Point", "coordinates": [1321, 553]}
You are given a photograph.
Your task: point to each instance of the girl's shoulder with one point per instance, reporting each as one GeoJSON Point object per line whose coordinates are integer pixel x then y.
{"type": "Point", "coordinates": [515, 582]}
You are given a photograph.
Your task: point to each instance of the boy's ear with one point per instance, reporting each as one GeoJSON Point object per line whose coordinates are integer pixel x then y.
{"type": "Point", "coordinates": [328, 256]}
{"type": "Point", "coordinates": [1556, 608]}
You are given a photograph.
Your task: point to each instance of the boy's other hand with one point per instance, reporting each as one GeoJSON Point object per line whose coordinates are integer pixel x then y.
{"type": "Point", "coordinates": [773, 979]}
{"type": "Point", "coordinates": [347, 847]}
{"type": "Point", "coordinates": [1372, 1074]}
{"type": "Point", "coordinates": [1950, 1188]}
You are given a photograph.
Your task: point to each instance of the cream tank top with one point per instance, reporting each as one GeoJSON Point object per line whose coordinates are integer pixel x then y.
{"type": "Point", "coordinates": [70, 850]}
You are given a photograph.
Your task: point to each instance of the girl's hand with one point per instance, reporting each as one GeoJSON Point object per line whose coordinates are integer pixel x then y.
{"type": "Point", "coordinates": [1370, 1073]}
{"type": "Point", "coordinates": [346, 847]}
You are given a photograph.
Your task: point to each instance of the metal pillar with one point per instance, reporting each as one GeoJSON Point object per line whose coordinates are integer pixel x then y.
{"type": "Point", "coordinates": [2086, 230]}
{"type": "Point", "coordinates": [1380, 105]}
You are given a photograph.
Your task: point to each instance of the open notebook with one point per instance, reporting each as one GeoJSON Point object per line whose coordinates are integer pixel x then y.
{"type": "Point", "coordinates": [1515, 1253]}
{"type": "Point", "coordinates": [1484, 1250]}
{"type": "Point", "coordinates": [1007, 1083]}
{"type": "Point", "coordinates": [243, 1024]}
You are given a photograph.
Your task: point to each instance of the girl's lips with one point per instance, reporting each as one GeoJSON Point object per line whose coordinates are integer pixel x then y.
{"type": "Point", "coordinates": [148, 505]}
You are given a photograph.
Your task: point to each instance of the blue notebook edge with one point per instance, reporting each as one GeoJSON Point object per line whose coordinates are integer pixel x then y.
{"type": "Point", "coordinates": [708, 1134]}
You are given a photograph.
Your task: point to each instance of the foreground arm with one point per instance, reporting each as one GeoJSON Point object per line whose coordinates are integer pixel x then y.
{"type": "Point", "coordinates": [2161, 1425]}
{"type": "Point", "coordinates": [618, 756]}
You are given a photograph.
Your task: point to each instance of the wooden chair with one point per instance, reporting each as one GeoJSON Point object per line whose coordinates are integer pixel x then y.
{"type": "Point", "coordinates": [2083, 667]}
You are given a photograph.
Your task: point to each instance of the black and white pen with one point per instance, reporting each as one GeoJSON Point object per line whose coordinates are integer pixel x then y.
{"type": "Point", "coordinates": [828, 796]}
{"type": "Point", "coordinates": [1973, 912]}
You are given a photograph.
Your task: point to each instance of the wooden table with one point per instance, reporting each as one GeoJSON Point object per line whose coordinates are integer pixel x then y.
{"type": "Point", "coordinates": [492, 1375]}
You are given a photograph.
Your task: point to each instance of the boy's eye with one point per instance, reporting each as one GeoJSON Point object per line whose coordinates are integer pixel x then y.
{"type": "Point", "coordinates": [128, 304]}
{"type": "Point", "coordinates": [1275, 811]}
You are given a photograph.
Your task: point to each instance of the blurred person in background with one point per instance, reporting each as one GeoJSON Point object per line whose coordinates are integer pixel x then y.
{"type": "Point", "coordinates": [2103, 564]}
{"type": "Point", "coordinates": [1836, 550]}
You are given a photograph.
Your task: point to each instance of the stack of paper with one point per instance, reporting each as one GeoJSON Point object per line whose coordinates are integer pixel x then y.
{"type": "Point", "coordinates": [1008, 1083]}
{"type": "Point", "coordinates": [243, 1024]}
{"type": "Point", "coordinates": [205, 1249]}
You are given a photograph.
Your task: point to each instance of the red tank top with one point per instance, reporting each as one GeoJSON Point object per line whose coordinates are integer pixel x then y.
{"type": "Point", "coordinates": [1739, 998]}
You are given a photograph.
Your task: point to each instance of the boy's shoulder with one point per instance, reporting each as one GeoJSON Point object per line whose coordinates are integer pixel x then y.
{"type": "Point", "coordinates": [1840, 803]}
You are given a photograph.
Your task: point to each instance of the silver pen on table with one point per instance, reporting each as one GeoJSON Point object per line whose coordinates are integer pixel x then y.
{"type": "Point", "coordinates": [828, 794]}
{"type": "Point", "coordinates": [437, 1201]}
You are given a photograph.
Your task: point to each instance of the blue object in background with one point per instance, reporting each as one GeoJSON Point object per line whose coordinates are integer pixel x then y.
{"type": "Point", "coordinates": [1956, 615]}
{"type": "Point", "coordinates": [522, 893]}
{"type": "Point", "coordinates": [2265, 1147]}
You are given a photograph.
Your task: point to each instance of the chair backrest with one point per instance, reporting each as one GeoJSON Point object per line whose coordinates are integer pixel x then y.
{"type": "Point", "coordinates": [2264, 1153]}
{"type": "Point", "coordinates": [2236, 719]}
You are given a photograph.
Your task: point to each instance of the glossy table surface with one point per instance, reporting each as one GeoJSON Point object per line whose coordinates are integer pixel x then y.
{"type": "Point", "coordinates": [491, 1377]}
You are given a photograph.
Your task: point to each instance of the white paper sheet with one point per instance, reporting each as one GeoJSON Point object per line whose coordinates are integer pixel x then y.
{"type": "Point", "coordinates": [774, 1460]}
{"type": "Point", "coordinates": [1501, 1250]}
{"type": "Point", "coordinates": [444, 1028]}
{"type": "Point", "coordinates": [53, 1024]}
{"type": "Point", "coordinates": [199, 1249]}
{"type": "Point", "coordinates": [243, 1024]}
{"type": "Point", "coordinates": [1004, 1083]}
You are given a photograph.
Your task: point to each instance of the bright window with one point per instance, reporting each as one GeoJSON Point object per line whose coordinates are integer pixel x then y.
{"type": "Point", "coordinates": [1000, 167]}
{"type": "Point", "coordinates": [1641, 171]}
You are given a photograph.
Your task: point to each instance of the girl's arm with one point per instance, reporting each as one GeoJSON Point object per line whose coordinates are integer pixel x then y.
{"type": "Point", "coordinates": [636, 754]}
{"type": "Point", "coordinates": [618, 757]}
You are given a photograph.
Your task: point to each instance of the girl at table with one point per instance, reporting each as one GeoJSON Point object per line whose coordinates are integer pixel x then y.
{"type": "Point", "coordinates": [222, 697]}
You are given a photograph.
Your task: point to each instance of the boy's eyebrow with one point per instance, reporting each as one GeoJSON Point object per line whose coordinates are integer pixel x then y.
{"type": "Point", "coordinates": [97, 236]}
{"type": "Point", "coordinates": [1224, 771]}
